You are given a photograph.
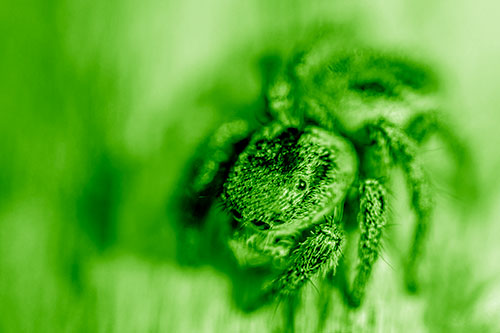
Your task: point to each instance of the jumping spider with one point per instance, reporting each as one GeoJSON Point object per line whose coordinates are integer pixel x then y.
{"type": "Point", "coordinates": [337, 120]}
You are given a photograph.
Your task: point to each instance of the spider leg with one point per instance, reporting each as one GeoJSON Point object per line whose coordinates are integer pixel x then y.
{"type": "Point", "coordinates": [198, 232]}
{"type": "Point", "coordinates": [372, 217]}
{"type": "Point", "coordinates": [317, 254]}
{"type": "Point", "coordinates": [423, 125]}
{"type": "Point", "coordinates": [210, 168]}
{"type": "Point", "coordinates": [403, 151]}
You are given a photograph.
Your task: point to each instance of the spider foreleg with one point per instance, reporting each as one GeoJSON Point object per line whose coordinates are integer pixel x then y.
{"type": "Point", "coordinates": [320, 252]}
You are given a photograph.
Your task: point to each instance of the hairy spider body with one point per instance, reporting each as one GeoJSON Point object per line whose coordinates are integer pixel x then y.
{"type": "Point", "coordinates": [338, 121]}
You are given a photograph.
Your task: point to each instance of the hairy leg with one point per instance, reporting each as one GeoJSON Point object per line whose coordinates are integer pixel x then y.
{"type": "Point", "coordinates": [199, 233]}
{"type": "Point", "coordinates": [403, 151]}
{"type": "Point", "coordinates": [422, 126]}
{"type": "Point", "coordinates": [210, 167]}
{"type": "Point", "coordinates": [320, 252]}
{"type": "Point", "coordinates": [372, 217]}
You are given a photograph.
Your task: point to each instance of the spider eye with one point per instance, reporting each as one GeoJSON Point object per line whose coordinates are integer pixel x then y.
{"type": "Point", "coordinates": [301, 185]}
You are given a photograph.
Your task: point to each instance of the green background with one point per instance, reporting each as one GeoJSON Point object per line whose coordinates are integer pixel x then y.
{"type": "Point", "coordinates": [103, 103]}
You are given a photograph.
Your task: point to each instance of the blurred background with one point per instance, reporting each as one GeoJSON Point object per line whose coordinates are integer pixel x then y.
{"type": "Point", "coordinates": [102, 104]}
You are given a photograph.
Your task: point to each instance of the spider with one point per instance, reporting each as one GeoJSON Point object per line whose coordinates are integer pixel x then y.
{"type": "Point", "coordinates": [337, 119]}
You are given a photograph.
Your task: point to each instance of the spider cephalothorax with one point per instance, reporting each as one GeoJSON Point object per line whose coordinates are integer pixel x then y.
{"type": "Point", "coordinates": [289, 176]}
{"type": "Point", "coordinates": [339, 119]}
